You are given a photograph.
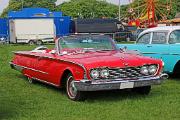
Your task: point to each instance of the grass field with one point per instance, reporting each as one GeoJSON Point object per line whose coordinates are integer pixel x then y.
{"type": "Point", "coordinates": [20, 100]}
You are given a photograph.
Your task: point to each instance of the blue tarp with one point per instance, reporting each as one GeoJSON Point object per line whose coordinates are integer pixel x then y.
{"type": "Point", "coordinates": [62, 25]}
{"type": "Point", "coordinates": [3, 28]}
{"type": "Point", "coordinates": [33, 13]}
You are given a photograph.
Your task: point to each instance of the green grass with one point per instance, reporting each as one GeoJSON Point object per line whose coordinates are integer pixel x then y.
{"type": "Point", "coordinates": [20, 100]}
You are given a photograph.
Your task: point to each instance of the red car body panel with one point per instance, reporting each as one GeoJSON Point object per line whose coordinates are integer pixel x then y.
{"type": "Point", "coordinates": [51, 67]}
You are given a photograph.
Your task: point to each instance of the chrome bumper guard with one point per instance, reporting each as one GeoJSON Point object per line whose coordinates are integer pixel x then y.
{"type": "Point", "coordinates": [98, 85]}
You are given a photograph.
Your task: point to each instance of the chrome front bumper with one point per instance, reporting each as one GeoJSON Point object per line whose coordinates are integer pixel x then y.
{"type": "Point", "coordinates": [87, 85]}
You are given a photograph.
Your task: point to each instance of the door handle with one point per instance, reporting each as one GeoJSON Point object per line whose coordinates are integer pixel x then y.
{"type": "Point", "coordinates": [149, 46]}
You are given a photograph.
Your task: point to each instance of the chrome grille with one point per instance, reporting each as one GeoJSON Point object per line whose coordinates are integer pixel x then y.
{"type": "Point", "coordinates": [130, 72]}
{"type": "Point", "coordinates": [124, 73]}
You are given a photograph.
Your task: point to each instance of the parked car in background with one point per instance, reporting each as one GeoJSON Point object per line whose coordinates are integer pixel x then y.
{"type": "Point", "coordinates": [89, 63]}
{"type": "Point", "coordinates": [96, 25]}
{"type": "Point", "coordinates": [162, 43]}
{"type": "Point", "coordinates": [3, 39]}
{"type": "Point", "coordinates": [123, 35]}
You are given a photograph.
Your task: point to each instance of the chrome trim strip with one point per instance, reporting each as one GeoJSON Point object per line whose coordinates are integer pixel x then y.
{"type": "Point", "coordinates": [23, 67]}
{"type": "Point", "coordinates": [43, 81]}
{"type": "Point", "coordinates": [87, 85]}
{"type": "Point", "coordinates": [160, 53]}
{"type": "Point", "coordinates": [95, 82]}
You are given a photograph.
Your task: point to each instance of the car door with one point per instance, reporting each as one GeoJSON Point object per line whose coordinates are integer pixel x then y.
{"type": "Point", "coordinates": [51, 68]}
{"type": "Point", "coordinates": [174, 41]}
{"type": "Point", "coordinates": [159, 47]}
{"type": "Point", "coordinates": [43, 65]}
{"type": "Point", "coordinates": [174, 49]}
{"type": "Point", "coordinates": [143, 43]}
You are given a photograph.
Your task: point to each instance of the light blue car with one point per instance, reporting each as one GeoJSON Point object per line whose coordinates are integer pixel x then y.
{"type": "Point", "coordinates": [162, 43]}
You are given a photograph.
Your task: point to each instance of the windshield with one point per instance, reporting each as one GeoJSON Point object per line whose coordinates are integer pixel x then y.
{"type": "Point", "coordinates": [86, 43]}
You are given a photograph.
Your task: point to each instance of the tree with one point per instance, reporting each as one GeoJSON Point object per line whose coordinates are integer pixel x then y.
{"type": "Point", "coordinates": [88, 9]}
{"type": "Point", "coordinates": [15, 5]}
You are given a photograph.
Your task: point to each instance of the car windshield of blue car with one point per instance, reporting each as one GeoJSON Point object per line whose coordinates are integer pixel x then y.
{"type": "Point", "coordinates": [86, 43]}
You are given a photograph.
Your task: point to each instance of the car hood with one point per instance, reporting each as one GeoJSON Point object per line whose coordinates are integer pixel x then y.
{"type": "Point", "coordinates": [110, 59]}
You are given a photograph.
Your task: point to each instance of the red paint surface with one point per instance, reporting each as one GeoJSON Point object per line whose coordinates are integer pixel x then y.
{"type": "Point", "coordinates": [55, 65]}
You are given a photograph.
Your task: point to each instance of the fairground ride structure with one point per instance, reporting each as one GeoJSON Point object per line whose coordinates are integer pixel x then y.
{"type": "Point", "coordinates": [147, 13]}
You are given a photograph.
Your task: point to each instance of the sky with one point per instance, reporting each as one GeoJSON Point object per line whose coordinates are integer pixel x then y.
{"type": "Point", "coordinates": [4, 3]}
{"type": "Point", "coordinates": [111, 1]}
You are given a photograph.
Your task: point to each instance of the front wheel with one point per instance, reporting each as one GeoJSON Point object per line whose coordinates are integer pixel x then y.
{"type": "Point", "coordinates": [145, 90]}
{"type": "Point", "coordinates": [71, 90]}
{"type": "Point", "coordinates": [39, 42]}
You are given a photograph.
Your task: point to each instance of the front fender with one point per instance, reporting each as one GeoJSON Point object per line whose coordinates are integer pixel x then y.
{"type": "Point", "coordinates": [77, 71]}
{"type": "Point", "coordinates": [170, 62]}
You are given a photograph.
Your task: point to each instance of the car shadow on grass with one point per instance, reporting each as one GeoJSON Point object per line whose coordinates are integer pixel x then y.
{"type": "Point", "coordinates": [41, 84]}
{"type": "Point", "coordinates": [111, 95]}
{"type": "Point", "coordinates": [174, 77]}
{"type": "Point", "coordinates": [114, 95]}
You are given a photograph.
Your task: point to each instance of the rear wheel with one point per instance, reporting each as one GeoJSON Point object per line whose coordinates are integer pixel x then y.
{"type": "Point", "coordinates": [143, 90]}
{"type": "Point", "coordinates": [31, 42]}
{"type": "Point", "coordinates": [71, 90]}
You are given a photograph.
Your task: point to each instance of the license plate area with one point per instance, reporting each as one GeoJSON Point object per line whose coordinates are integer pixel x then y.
{"type": "Point", "coordinates": [126, 85]}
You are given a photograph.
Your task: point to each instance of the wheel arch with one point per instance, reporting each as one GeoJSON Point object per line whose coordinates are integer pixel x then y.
{"type": "Point", "coordinates": [29, 40]}
{"type": "Point", "coordinates": [176, 67]}
{"type": "Point", "coordinates": [65, 73]}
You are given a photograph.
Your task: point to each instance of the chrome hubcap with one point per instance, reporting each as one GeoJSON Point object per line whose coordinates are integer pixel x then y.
{"type": "Point", "coordinates": [72, 91]}
{"type": "Point", "coordinates": [31, 43]}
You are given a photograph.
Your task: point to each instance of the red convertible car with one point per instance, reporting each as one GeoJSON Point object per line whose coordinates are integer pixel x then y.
{"type": "Point", "coordinates": [84, 63]}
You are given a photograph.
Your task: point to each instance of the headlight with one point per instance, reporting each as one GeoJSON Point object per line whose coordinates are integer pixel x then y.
{"type": "Point", "coordinates": [104, 73]}
{"type": "Point", "coordinates": [94, 74]}
{"type": "Point", "coordinates": [144, 70]}
{"type": "Point", "coordinates": [152, 69]}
